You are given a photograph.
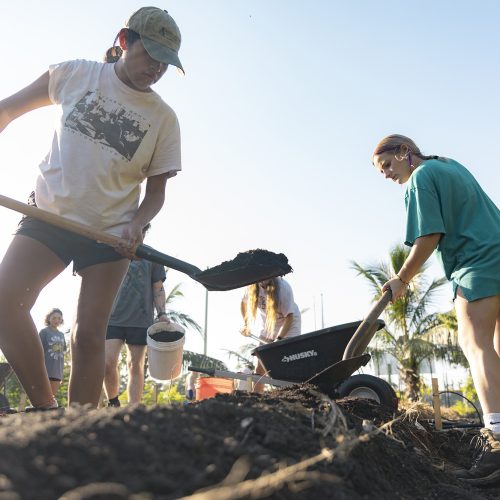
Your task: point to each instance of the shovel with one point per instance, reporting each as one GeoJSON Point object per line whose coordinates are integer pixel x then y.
{"type": "Point", "coordinates": [353, 357]}
{"type": "Point", "coordinates": [247, 268]}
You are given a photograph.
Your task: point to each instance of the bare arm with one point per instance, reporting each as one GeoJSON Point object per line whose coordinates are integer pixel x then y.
{"type": "Point", "coordinates": [245, 330]}
{"type": "Point", "coordinates": [35, 95]}
{"type": "Point", "coordinates": [286, 326]}
{"type": "Point", "coordinates": [150, 206]}
{"type": "Point", "coordinates": [159, 300]}
{"type": "Point", "coordinates": [420, 251]}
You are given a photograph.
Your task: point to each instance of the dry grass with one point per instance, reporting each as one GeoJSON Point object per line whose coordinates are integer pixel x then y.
{"type": "Point", "coordinates": [426, 411]}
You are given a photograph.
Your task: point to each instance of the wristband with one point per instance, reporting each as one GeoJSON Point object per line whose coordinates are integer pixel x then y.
{"type": "Point", "coordinates": [159, 315]}
{"type": "Point", "coordinates": [407, 283]}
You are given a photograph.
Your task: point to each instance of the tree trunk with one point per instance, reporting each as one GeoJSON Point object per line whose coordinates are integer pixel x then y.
{"type": "Point", "coordinates": [412, 383]}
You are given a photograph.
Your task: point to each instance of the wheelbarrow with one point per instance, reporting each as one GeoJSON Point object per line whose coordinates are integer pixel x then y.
{"type": "Point", "coordinates": [326, 358]}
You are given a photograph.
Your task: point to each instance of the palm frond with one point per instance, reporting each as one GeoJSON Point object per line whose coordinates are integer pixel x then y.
{"type": "Point", "coordinates": [184, 320]}
{"type": "Point", "coordinates": [242, 359]}
{"type": "Point", "coordinates": [190, 358]}
{"type": "Point", "coordinates": [375, 275]}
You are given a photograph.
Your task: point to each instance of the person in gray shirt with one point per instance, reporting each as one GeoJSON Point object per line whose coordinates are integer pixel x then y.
{"type": "Point", "coordinates": [133, 313]}
{"type": "Point", "coordinates": [54, 347]}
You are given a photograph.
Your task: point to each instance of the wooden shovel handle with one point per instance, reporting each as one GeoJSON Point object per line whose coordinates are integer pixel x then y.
{"type": "Point", "coordinates": [59, 221]}
{"type": "Point", "coordinates": [142, 251]}
{"type": "Point", "coordinates": [366, 329]}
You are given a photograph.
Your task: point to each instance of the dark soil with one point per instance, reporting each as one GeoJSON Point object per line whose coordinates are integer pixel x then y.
{"type": "Point", "coordinates": [236, 446]}
{"type": "Point", "coordinates": [251, 258]}
{"type": "Point", "coordinates": [246, 268]}
{"type": "Point", "coordinates": [167, 336]}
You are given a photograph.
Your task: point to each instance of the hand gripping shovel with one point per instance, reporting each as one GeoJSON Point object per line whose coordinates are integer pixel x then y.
{"type": "Point", "coordinates": [353, 357]}
{"type": "Point", "coordinates": [247, 268]}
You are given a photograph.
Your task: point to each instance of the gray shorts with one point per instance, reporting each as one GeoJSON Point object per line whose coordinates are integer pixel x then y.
{"type": "Point", "coordinates": [68, 246]}
{"type": "Point", "coordinates": [131, 335]}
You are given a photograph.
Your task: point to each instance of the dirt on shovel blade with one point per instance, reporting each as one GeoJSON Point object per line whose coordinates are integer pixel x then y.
{"type": "Point", "coordinates": [247, 268]}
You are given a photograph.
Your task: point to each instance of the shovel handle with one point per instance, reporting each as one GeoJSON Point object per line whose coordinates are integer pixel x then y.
{"type": "Point", "coordinates": [258, 339]}
{"type": "Point", "coordinates": [366, 330]}
{"type": "Point", "coordinates": [57, 220]}
{"type": "Point", "coordinates": [142, 251]}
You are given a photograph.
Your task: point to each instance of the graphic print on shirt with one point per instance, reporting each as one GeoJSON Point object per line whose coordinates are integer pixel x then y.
{"type": "Point", "coordinates": [261, 302]}
{"type": "Point", "coordinates": [133, 284]}
{"type": "Point", "coordinates": [105, 121]}
{"type": "Point", "coordinates": [55, 347]}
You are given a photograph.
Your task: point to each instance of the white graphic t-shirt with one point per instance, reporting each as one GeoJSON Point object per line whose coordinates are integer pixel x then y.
{"type": "Point", "coordinates": [108, 139]}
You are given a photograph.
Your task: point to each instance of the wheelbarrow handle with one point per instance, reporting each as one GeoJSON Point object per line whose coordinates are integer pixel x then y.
{"type": "Point", "coordinates": [366, 330]}
{"type": "Point", "coordinates": [206, 371]}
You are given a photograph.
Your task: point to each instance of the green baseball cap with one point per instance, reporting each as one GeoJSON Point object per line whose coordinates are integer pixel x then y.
{"type": "Point", "coordinates": [159, 34]}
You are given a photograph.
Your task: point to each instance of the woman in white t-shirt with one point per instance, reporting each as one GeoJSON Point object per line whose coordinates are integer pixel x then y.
{"type": "Point", "coordinates": [113, 133]}
{"type": "Point", "coordinates": [279, 314]}
{"type": "Point", "coordinates": [274, 301]}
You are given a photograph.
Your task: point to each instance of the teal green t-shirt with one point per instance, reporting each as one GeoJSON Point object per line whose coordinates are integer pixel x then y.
{"type": "Point", "coordinates": [442, 196]}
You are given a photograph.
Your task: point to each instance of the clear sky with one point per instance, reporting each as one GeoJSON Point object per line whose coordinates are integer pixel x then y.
{"type": "Point", "coordinates": [281, 106]}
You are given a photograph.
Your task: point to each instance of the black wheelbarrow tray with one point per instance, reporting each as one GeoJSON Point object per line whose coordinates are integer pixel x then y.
{"type": "Point", "coordinates": [325, 358]}
{"type": "Point", "coordinates": [314, 357]}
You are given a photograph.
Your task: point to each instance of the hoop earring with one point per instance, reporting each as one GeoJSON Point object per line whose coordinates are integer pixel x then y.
{"type": "Point", "coordinates": [401, 158]}
{"type": "Point", "coordinates": [412, 167]}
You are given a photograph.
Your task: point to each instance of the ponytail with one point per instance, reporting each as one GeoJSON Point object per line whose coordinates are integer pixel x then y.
{"type": "Point", "coordinates": [115, 52]}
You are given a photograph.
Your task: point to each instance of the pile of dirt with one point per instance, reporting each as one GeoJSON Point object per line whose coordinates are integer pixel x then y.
{"type": "Point", "coordinates": [289, 443]}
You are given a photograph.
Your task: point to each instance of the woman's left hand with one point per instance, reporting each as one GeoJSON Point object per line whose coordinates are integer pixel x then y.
{"type": "Point", "coordinates": [132, 236]}
{"type": "Point", "coordinates": [397, 287]}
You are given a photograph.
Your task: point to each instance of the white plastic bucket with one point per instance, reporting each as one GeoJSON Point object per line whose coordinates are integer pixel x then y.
{"type": "Point", "coordinates": [165, 352]}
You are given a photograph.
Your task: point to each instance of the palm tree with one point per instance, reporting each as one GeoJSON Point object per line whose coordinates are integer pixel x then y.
{"type": "Point", "coordinates": [410, 329]}
{"type": "Point", "coordinates": [199, 360]}
{"type": "Point", "coordinates": [178, 317]}
{"type": "Point", "coordinates": [243, 355]}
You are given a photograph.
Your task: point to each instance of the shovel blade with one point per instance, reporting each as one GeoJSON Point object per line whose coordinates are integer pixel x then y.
{"type": "Point", "coordinates": [237, 278]}
{"type": "Point", "coordinates": [245, 269]}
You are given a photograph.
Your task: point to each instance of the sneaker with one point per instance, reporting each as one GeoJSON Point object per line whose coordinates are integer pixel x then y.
{"type": "Point", "coordinates": [7, 411]}
{"type": "Point", "coordinates": [114, 402]}
{"type": "Point", "coordinates": [48, 407]}
{"type": "Point", "coordinates": [485, 469]}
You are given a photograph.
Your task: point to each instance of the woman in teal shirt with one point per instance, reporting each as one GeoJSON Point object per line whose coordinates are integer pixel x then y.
{"type": "Point", "coordinates": [448, 211]}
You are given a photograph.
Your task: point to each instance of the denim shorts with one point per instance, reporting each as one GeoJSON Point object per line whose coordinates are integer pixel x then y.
{"type": "Point", "coordinates": [68, 246]}
{"type": "Point", "coordinates": [129, 334]}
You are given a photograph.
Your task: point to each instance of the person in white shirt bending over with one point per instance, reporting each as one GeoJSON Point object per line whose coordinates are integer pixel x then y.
{"type": "Point", "coordinates": [279, 313]}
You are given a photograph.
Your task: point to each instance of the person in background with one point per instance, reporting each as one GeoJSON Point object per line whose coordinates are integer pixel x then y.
{"type": "Point", "coordinates": [54, 347]}
{"type": "Point", "coordinates": [279, 314]}
{"type": "Point", "coordinates": [191, 379]}
{"type": "Point", "coordinates": [141, 292]}
{"type": "Point", "coordinates": [113, 133]}
{"type": "Point", "coordinates": [448, 212]}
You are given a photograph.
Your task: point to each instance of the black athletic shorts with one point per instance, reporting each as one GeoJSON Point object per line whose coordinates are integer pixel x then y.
{"type": "Point", "coordinates": [68, 246]}
{"type": "Point", "coordinates": [129, 334]}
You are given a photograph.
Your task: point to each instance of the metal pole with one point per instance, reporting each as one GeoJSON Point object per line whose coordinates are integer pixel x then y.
{"type": "Point", "coordinates": [322, 317]}
{"type": "Point", "coordinates": [206, 324]}
{"type": "Point", "coordinates": [314, 310]}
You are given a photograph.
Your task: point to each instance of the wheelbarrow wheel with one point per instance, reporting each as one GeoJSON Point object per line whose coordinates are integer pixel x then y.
{"type": "Point", "coordinates": [369, 387]}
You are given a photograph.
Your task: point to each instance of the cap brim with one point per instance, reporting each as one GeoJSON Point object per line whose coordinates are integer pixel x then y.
{"type": "Point", "coordinates": [161, 53]}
